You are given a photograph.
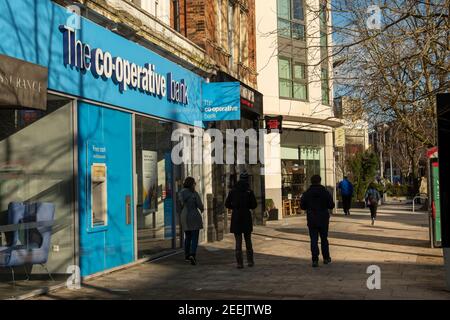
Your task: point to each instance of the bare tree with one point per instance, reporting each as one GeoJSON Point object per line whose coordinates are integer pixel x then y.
{"type": "Point", "coordinates": [395, 62]}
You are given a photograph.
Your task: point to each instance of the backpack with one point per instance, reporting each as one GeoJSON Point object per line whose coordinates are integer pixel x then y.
{"type": "Point", "coordinates": [372, 199]}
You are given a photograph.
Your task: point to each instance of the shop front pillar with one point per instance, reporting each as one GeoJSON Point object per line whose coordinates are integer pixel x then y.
{"type": "Point", "coordinates": [272, 170]}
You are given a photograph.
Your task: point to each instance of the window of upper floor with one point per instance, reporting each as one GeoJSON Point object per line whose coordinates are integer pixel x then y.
{"type": "Point", "coordinates": [291, 19]}
{"type": "Point", "coordinates": [325, 84]}
{"type": "Point", "coordinates": [160, 9]}
{"type": "Point", "coordinates": [176, 14]}
{"type": "Point", "coordinates": [293, 83]}
{"type": "Point", "coordinates": [243, 38]}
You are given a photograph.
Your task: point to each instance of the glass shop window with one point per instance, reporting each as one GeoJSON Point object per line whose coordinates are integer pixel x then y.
{"type": "Point", "coordinates": [37, 170]}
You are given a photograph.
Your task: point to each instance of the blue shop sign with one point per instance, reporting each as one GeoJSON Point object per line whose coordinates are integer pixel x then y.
{"type": "Point", "coordinates": [95, 63]}
{"type": "Point", "coordinates": [221, 101]}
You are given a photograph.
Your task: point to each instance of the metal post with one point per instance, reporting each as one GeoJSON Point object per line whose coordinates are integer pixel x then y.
{"type": "Point", "coordinates": [46, 269]}
{"type": "Point", "coordinates": [12, 273]}
{"type": "Point", "coordinates": [381, 157]}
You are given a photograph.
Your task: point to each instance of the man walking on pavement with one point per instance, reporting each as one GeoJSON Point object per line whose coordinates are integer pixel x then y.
{"type": "Point", "coordinates": [346, 188]}
{"type": "Point", "coordinates": [318, 202]}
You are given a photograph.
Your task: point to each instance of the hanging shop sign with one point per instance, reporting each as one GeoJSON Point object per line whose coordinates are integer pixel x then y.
{"type": "Point", "coordinates": [221, 101]}
{"type": "Point", "coordinates": [274, 123]}
{"type": "Point", "coordinates": [23, 85]}
{"type": "Point", "coordinates": [339, 137]}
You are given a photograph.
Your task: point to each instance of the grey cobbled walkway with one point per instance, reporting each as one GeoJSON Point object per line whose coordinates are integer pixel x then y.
{"type": "Point", "coordinates": [398, 244]}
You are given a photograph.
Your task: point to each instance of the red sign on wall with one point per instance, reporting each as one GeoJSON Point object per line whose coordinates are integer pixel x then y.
{"type": "Point", "coordinates": [274, 123]}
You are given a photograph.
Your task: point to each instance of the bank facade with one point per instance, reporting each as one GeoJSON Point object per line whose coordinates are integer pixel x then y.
{"type": "Point", "coordinates": [87, 118]}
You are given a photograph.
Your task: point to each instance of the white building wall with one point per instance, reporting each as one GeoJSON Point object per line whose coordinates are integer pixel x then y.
{"type": "Point", "coordinates": [158, 8]}
{"type": "Point", "coordinates": [267, 53]}
{"type": "Point", "coordinates": [330, 169]}
{"type": "Point", "coordinates": [267, 66]}
{"type": "Point", "coordinates": [272, 169]}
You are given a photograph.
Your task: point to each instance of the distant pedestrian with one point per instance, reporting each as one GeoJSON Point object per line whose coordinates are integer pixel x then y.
{"type": "Point", "coordinates": [191, 219]}
{"type": "Point", "coordinates": [318, 202]}
{"type": "Point", "coordinates": [241, 200]}
{"type": "Point", "coordinates": [346, 188]}
{"type": "Point", "coordinates": [372, 197]}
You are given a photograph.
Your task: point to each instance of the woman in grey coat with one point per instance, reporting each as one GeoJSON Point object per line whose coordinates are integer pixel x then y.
{"type": "Point", "coordinates": [191, 219]}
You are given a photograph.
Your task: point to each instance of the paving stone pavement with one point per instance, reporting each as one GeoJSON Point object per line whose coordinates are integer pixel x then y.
{"type": "Point", "coordinates": [398, 244]}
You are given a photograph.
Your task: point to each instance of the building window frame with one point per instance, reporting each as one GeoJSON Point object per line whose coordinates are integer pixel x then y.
{"type": "Point", "coordinates": [289, 25]}
{"type": "Point", "coordinates": [231, 8]}
{"type": "Point", "coordinates": [292, 80]}
{"type": "Point", "coordinates": [243, 38]}
{"type": "Point", "coordinates": [325, 85]}
{"type": "Point", "coordinates": [219, 27]}
{"type": "Point", "coordinates": [323, 20]}
{"type": "Point", "coordinates": [176, 15]}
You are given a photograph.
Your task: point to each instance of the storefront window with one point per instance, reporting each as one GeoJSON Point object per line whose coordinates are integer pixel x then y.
{"type": "Point", "coordinates": [226, 176]}
{"type": "Point", "coordinates": [36, 193]}
{"type": "Point", "coordinates": [299, 164]}
{"type": "Point", "coordinates": [155, 217]}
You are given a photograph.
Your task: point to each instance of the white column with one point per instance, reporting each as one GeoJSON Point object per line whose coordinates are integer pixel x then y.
{"type": "Point", "coordinates": [330, 169]}
{"type": "Point", "coordinates": [272, 170]}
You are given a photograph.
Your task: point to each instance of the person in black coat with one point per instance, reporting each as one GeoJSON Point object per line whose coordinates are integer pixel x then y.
{"type": "Point", "coordinates": [241, 200]}
{"type": "Point", "coordinates": [318, 202]}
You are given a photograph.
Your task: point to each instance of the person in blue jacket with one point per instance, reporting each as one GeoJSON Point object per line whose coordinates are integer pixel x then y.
{"type": "Point", "coordinates": [346, 188]}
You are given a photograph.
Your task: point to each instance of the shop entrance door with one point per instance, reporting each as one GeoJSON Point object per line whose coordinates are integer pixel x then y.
{"type": "Point", "coordinates": [106, 193]}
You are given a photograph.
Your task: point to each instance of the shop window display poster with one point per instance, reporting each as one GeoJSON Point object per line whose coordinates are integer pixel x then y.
{"type": "Point", "coordinates": [150, 180]}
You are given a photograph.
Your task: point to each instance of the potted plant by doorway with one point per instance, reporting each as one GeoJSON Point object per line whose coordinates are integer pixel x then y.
{"type": "Point", "coordinates": [271, 210]}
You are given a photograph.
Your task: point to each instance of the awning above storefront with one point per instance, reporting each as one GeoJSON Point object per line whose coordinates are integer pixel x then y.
{"type": "Point", "coordinates": [328, 122]}
{"type": "Point", "coordinates": [23, 85]}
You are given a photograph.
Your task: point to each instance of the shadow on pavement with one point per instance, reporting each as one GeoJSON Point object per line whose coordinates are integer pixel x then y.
{"type": "Point", "coordinates": [364, 237]}
{"type": "Point", "coordinates": [273, 277]}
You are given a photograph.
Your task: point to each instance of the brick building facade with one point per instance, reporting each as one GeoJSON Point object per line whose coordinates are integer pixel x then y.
{"type": "Point", "coordinates": [225, 29]}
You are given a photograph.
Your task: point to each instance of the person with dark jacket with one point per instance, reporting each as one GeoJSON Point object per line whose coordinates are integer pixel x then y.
{"type": "Point", "coordinates": [346, 188]}
{"type": "Point", "coordinates": [372, 198]}
{"type": "Point", "coordinates": [318, 202]}
{"type": "Point", "coordinates": [191, 219]}
{"type": "Point", "coordinates": [241, 200]}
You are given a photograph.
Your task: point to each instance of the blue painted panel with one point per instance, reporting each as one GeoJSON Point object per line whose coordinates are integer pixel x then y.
{"type": "Point", "coordinates": [30, 30]}
{"type": "Point", "coordinates": [169, 225]}
{"type": "Point", "coordinates": [108, 246]}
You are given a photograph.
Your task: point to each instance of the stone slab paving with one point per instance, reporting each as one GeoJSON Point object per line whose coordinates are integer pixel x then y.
{"type": "Point", "coordinates": [398, 244]}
